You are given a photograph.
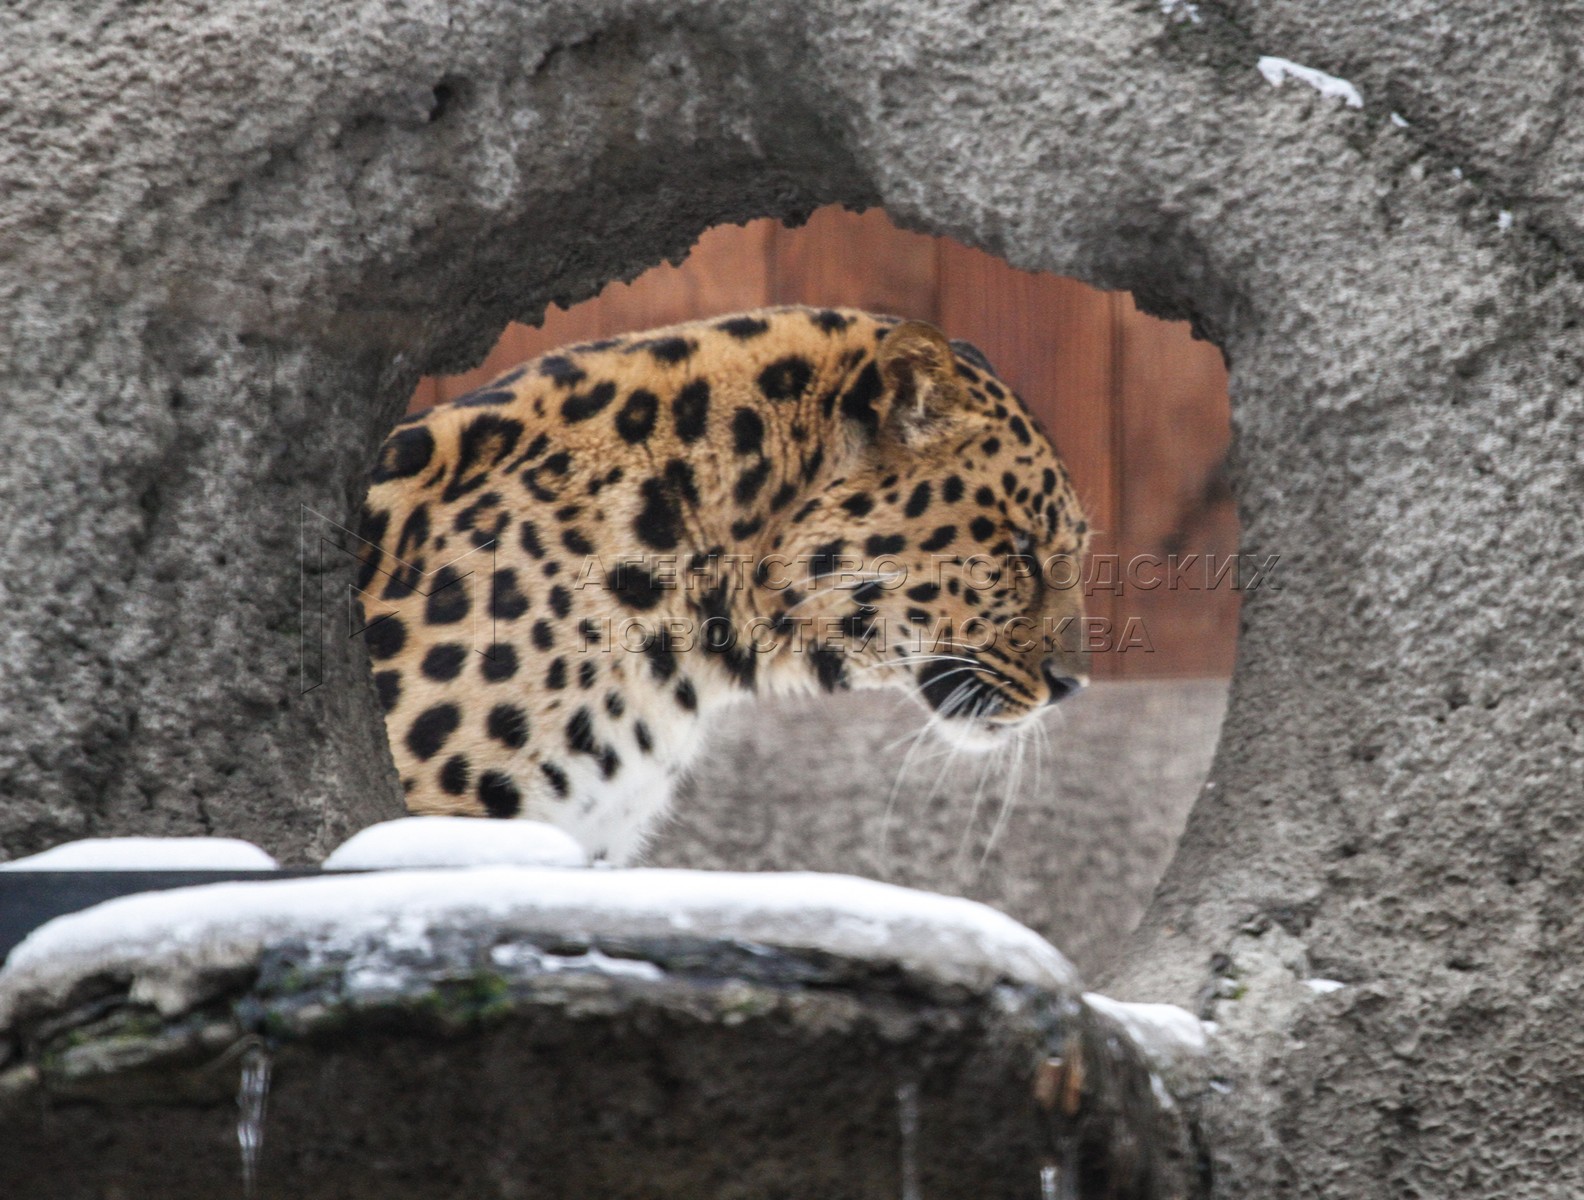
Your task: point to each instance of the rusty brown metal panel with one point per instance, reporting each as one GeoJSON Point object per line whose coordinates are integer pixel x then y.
{"type": "Point", "coordinates": [1175, 497]}
{"type": "Point", "coordinates": [855, 260]}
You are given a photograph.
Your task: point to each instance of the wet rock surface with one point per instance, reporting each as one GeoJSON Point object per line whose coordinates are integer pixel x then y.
{"type": "Point", "coordinates": [494, 1059]}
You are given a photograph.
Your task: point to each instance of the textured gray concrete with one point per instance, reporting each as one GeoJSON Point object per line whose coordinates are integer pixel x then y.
{"type": "Point", "coordinates": [235, 232]}
{"type": "Point", "coordinates": [1092, 812]}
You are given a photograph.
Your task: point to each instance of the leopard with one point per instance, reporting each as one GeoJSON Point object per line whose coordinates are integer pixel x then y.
{"type": "Point", "coordinates": [567, 573]}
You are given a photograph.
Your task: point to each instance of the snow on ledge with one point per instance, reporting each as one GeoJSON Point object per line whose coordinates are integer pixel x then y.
{"type": "Point", "coordinates": [1278, 70]}
{"type": "Point", "coordinates": [170, 942]}
{"type": "Point", "coordinates": [456, 842]}
{"type": "Point", "coordinates": [1165, 1033]}
{"type": "Point", "coordinates": [148, 854]}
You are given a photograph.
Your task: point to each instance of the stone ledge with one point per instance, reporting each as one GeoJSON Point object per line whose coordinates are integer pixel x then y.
{"type": "Point", "coordinates": [861, 1045]}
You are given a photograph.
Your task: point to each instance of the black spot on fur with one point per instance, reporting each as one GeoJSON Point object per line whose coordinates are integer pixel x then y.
{"type": "Point", "coordinates": [659, 522]}
{"type": "Point", "coordinates": [918, 502]}
{"type": "Point", "coordinates": [387, 684]}
{"type": "Point", "coordinates": [508, 725]}
{"type": "Point", "coordinates": [786, 378]}
{"type": "Point", "coordinates": [556, 676]}
{"type": "Point", "coordinates": [830, 321]}
{"type": "Point", "coordinates": [500, 663]}
{"type": "Point", "coordinates": [580, 406]}
{"type": "Point", "coordinates": [574, 541]}
{"type": "Point", "coordinates": [543, 635]}
{"type": "Point", "coordinates": [560, 601]}
{"type": "Point", "coordinates": [747, 431]}
{"type": "Point", "coordinates": [662, 662]}
{"type": "Point", "coordinates": [556, 778]}
{"type": "Point", "coordinates": [973, 354]}
{"type": "Point", "coordinates": [991, 445]}
{"type": "Point", "coordinates": [1020, 430]}
{"type": "Point", "coordinates": [636, 420]}
{"type": "Point", "coordinates": [823, 560]}
{"type": "Point", "coordinates": [642, 737]}
{"type": "Point", "coordinates": [751, 481]}
{"type": "Point", "coordinates": [587, 673]}
{"type": "Point", "coordinates": [535, 448]}
{"type": "Point", "coordinates": [679, 477]}
{"type": "Point", "coordinates": [455, 775]}
{"type": "Point", "coordinates": [743, 530]}
{"type": "Point", "coordinates": [857, 402]}
{"type": "Point", "coordinates": [686, 696]}
{"type": "Point", "coordinates": [528, 536]}
{"type": "Point", "coordinates": [812, 466]}
{"type": "Point", "coordinates": [615, 705]}
{"type": "Point", "coordinates": [562, 370]}
{"type": "Point", "coordinates": [485, 441]}
{"type": "Point", "coordinates": [634, 586]}
{"type": "Point", "coordinates": [506, 601]}
{"type": "Point", "coordinates": [444, 662]}
{"type": "Point", "coordinates": [860, 505]}
{"type": "Point", "coordinates": [668, 350]}
{"type": "Point", "coordinates": [405, 453]}
{"type": "Point", "coordinates": [499, 795]}
{"type": "Point", "coordinates": [385, 637]}
{"type": "Point", "coordinates": [784, 495]}
{"type": "Point", "coordinates": [580, 733]}
{"type": "Point", "coordinates": [448, 602]}
{"type": "Point", "coordinates": [371, 529]}
{"type": "Point", "coordinates": [829, 668]}
{"type": "Point", "coordinates": [924, 592]}
{"type": "Point", "coordinates": [431, 729]}
{"type": "Point", "coordinates": [879, 546]}
{"type": "Point", "coordinates": [982, 529]}
{"type": "Point", "coordinates": [744, 328]}
{"type": "Point", "coordinates": [415, 532]}
{"type": "Point", "coordinates": [690, 411]}
{"type": "Point", "coordinates": [940, 539]}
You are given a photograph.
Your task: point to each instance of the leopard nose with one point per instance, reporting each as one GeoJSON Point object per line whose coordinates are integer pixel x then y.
{"type": "Point", "coordinates": [1060, 683]}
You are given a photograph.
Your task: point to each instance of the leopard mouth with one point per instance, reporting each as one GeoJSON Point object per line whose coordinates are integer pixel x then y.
{"type": "Point", "coordinates": [971, 700]}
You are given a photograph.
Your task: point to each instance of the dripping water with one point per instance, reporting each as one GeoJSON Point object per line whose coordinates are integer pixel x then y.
{"type": "Point", "coordinates": [908, 1123]}
{"type": "Point", "coordinates": [1057, 1184]}
{"type": "Point", "coordinates": [252, 1093]}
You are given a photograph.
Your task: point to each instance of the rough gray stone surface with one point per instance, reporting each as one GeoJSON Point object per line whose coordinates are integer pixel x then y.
{"type": "Point", "coordinates": [235, 232]}
{"type": "Point", "coordinates": [1087, 820]}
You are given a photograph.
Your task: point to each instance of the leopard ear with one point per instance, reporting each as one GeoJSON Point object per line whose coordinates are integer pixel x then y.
{"type": "Point", "coordinates": [919, 371]}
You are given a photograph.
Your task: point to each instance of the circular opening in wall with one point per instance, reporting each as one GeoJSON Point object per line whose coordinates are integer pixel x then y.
{"type": "Point", "coordinates": [1068, 829]}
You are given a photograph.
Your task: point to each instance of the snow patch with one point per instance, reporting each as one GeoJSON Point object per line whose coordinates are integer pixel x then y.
{"type": "Point", "coordinates": [1278, 70]}
{"type": "Point", "coordinates": [1399, 120]}
{"type": "Point", "coordinates": [1164, 1032]}
{"type": "Point", "coordinates": [148, 854]}
{"type": "Point", "coordinates": [171, 943]}
{"type": "Point", "coordinates": [1504, 220]}
{"type": "Point", "coordinates": [1321, 987]}
{"type": "Point", "coordinates": [456, 842]}
{"type": "Point", "coordinates": [516, 957]}
{"type": "Point", "coordinates": [1181, 10]}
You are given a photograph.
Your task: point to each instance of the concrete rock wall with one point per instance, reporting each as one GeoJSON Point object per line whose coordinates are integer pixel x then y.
{"type": "Point", "coordinates": [235, 232]}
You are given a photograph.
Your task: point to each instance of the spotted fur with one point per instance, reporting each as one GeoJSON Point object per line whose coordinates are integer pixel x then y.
{"type": "Point", "coordinates": [568, 570]}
